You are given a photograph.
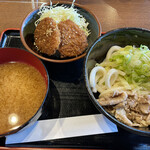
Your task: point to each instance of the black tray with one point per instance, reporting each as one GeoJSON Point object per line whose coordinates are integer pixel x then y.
{"type": "Point", "coordinates": [69, 98]}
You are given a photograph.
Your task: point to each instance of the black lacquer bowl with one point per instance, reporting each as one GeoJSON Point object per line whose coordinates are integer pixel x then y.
{"type": "Point", "coordinates": [96, 54]}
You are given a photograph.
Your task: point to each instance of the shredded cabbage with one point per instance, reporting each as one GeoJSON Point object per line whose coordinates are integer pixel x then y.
{"type": "Point", "coordinates": [135, 62]}
{"type": "Point", "coordinates": [62, 13]}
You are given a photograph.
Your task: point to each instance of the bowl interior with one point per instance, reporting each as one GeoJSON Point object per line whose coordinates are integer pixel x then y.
{"type": "Point", "coordinates": [97, 52]}
{"type": "Point", "coordinates": [28, 27]}
{"type": "Point", "coordinates": [15, 54]}
{"type": "Point", "coordinates": [18, 55]}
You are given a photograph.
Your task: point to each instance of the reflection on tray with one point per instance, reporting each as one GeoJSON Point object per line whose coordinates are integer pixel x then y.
{"type": "Point", "coordinates": [51, 108]}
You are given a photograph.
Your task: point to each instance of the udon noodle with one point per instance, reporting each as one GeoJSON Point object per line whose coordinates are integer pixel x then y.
{"type": "Point", "coordinates": [123, 81]}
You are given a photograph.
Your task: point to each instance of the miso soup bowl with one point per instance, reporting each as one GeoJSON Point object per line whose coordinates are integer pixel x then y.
{"type": "Point", "coordinates": [18, 55]}
{"type": "Point", "coordinates": [28, 28]}
{"type": "Point", "coordinates": [97, 53]}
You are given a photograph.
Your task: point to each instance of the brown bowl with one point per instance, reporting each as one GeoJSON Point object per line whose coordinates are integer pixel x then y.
{"type": "Point", "coordinates": [28, 27]}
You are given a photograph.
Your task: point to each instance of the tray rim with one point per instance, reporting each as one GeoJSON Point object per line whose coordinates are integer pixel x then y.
{"type": "Point", "coordinates": [7, 29]}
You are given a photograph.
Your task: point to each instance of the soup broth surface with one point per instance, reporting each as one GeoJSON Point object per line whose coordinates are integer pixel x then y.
{"type": "Point", "coordinates": [22, 91]}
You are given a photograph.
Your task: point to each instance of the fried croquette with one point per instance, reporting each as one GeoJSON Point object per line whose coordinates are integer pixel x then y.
{"type": "Point", "coordinates": [73, 39]}
{"type": "Point", "coordinates": [47, 36]}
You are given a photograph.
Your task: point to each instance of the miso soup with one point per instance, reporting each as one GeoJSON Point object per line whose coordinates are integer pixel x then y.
{"type": "Point", "coordinates": [22, 91]}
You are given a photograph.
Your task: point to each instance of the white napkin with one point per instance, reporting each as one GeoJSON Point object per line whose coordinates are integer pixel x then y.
{"type": "Point", "coordinates": [63, 128]}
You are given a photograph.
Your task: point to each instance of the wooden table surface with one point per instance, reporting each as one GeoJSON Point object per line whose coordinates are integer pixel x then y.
{"type": "Point", "coordinates": [112, 14]}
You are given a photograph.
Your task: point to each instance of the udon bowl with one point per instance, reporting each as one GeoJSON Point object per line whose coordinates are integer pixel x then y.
{"type": "Point", "coordinates": [28, 28]}
{"type": "Point", "coordinates": [11, 55]}
{"type": "Point", "coordinates": [97, 53]}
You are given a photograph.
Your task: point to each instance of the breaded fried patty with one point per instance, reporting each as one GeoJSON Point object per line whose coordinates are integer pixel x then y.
{"type": "Point", "coordinates": [73, 39]}
{"type": "Point", "coordinates": [47, 36]}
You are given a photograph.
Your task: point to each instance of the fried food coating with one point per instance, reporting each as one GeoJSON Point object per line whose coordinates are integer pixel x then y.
{"type": "Point", "coordinates": [73, 39]}
{"type": "Point", "coordinates": [47, 36]}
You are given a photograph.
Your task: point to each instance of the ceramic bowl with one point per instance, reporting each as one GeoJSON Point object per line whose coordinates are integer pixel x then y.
{"type": "Point", "coordinates": [18, 55]}
{"type": "Point", "coordinates": [28, 28]}
{"type": "Point", "coordinates": [96, 54]}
